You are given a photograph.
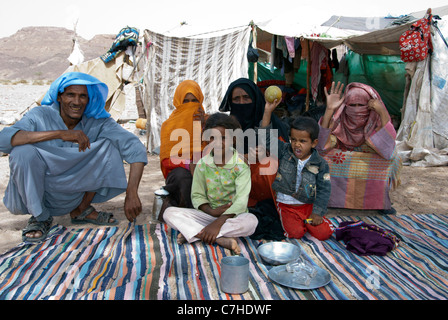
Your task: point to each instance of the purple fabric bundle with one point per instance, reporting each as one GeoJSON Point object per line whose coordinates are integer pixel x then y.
{"type": "Point", "coordinates": [366, 239]}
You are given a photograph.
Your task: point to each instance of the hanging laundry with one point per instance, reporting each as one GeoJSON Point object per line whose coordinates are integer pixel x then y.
{"type": "Point", "coordinates": [298, 54]}
{"type": "Point", "coordinates": [318, 57]}
{"type": "Point", "coordinates": [290, 45]}
{"type": "Point", "coordinates": [281, 45]}
{"type": "Point", "coordinates": [306, 46]}
{"type": "Point", "coordinates": [334, 60]}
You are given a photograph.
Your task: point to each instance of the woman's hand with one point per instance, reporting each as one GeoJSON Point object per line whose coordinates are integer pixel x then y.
{"type": "Point", "coordinates": [334, 101]}
{"type": "Point", "coordinates": [377, 106]}
{"type": "Point", "coordinates": [335, 97]}
{"type": "Point", "coordinates": [199, 115]}
{"type": "Point", "coordinates": [270, 106]}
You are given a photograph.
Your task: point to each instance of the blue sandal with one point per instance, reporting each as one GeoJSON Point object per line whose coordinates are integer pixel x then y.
{"type": "Point", "coordinates": [33, 226]}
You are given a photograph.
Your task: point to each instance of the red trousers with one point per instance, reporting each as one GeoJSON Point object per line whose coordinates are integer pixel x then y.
{"type": "Point", "coordinates": [293, 222]}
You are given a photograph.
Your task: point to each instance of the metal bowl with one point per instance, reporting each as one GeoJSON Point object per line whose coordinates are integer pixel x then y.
{"type": "Point", "coordinates": [277, 253]}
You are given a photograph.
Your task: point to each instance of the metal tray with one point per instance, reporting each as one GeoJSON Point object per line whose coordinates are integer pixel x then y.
{"type": "Point", "coordinates": [285, 278]}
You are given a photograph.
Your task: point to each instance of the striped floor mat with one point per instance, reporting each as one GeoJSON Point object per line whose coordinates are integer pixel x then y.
{"type": "Point", "coordinates": [144, 262]}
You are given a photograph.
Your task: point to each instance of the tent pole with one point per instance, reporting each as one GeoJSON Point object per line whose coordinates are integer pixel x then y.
{"type": "Point", "coordinates": [254, 45]}
{"type": "Point", "coordinates": [308, 74]}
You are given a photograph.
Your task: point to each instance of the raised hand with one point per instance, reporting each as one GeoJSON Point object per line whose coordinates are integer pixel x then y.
{"type": "Point", "coordinates": [268, 109]}
{"type": "Point", "coordinates": [270, 106]}
{"type": "Point", "coordinates": [334, 97]}
{"type": "Point", "coordinates": [334, 101]}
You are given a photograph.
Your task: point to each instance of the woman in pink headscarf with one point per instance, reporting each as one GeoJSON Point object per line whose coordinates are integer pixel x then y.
{"type": "Point", "coordinates": [357, 139]}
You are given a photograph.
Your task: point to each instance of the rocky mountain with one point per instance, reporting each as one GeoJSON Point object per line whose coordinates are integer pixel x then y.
{"type": "Point", "coordinates": [40, 53]}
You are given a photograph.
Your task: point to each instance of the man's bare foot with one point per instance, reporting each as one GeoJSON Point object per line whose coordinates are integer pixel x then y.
{"type": "Point", "coordinates": [229, 243]}
{"type": "Point", "coordinates": [85, 205]}
{"type": "Point", "coordinates": [37, 229]}
{"type": "Point", "coordinates": [34, 234]}
{"type": "Point", "coordinates": [181, 239]}
{"type": "Point", "coordinates": [93, 215]}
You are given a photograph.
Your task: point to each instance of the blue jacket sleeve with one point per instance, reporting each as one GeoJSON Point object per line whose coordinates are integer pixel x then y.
{"type": "Point", "coordinates": [323, 190]}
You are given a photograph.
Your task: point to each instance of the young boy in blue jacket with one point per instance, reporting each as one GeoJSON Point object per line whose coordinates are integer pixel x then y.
{"type": "Point", "coordinates": [302, 184]}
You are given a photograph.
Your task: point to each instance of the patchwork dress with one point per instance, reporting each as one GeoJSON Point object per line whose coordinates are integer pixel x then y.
{"type": "Point", "coordinates": [362, 178]}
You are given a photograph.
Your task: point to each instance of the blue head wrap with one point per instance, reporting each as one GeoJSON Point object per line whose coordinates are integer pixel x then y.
{"type": "Point", "coordinates": [96, 89]}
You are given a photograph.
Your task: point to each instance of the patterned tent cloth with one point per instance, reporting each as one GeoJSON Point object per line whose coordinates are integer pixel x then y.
{"type": "Point", "coordinates": [145, 262]}
{"type": "Point", "coordinates": [212, 60]}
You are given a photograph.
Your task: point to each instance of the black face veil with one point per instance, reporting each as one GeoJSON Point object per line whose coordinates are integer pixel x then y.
{"type": "Point", "coordinates": [249, 115]}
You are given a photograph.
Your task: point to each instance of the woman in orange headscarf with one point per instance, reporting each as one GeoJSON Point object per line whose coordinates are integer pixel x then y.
{"type": "Point", "coordinates": [180, 138]}
{"type": "Point", "coordinates": [178, 147]}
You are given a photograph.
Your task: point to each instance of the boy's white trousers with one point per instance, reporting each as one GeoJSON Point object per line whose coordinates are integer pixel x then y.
{"type": "Point", "coordinates": [190, 222]}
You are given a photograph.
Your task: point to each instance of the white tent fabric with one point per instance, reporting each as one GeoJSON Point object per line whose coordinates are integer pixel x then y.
{"type": "Point", "coordinates": [422, 138]}
{"type": "Point", "coordinates": [374, 39]}
{"type": "Point", "coordinates": [77, 56]}
{"type": "Point", "coordinates": [213, 62]}
{"type": "Point", "coordinates": [330, 37]}
{"type": "Point", "coordinates": [367, 24]}
{"type": "Point", "coordinates": [386, 41]}
{"type": "Point", "coordinates": [112, 74]}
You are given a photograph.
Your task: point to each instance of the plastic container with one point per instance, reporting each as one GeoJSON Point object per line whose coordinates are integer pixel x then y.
{"type": "Point", "coordinates": [141, 123]}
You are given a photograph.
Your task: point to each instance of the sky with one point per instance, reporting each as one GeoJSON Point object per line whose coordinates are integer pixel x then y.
{"type": "Point", "coordinates": [93, 17]}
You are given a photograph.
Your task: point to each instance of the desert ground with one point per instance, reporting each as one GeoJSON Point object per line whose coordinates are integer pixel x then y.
{"type": "Point", "coordinates": [422, 189]}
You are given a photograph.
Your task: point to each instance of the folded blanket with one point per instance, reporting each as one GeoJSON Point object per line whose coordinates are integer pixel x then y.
{"type": "Point", "coordinates": [366, 239]}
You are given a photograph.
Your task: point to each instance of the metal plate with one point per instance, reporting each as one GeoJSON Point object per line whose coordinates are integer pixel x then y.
{"type": "Point", "coordinates": [285, 278]}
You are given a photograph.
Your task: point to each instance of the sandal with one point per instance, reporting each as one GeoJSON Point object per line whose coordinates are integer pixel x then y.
{"type": "Point", "coordinates": [102, 219]}
{"type": "Point", "coordinates": [34, 225]}
{"type": "Point", "coordinates": [387, 211]}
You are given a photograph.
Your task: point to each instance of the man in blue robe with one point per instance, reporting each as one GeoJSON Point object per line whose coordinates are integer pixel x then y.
{"type": "Point", "coordinates": [67, 154]}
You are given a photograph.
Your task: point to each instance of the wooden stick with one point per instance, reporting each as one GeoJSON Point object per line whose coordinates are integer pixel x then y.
{"type": "Point", "coordinates": [308, 75]}
{"type": "Point", "coordinates": [254, 45]}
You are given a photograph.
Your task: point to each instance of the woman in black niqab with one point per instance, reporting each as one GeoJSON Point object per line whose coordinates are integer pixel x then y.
{"type": "Point", "coordinates": [249, 115]}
